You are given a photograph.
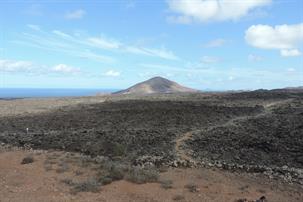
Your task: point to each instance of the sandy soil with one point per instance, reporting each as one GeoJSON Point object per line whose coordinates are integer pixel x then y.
{"type": "Point", "coordinates": [37, 105]}
{"type": "Point", "coordinates": [32, 182]}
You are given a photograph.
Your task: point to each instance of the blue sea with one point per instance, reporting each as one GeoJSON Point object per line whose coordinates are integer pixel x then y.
{"type": "Point", "coordinates": [49, 92]}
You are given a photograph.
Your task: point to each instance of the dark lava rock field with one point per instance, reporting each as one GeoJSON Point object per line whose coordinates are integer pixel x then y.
{"type": "Point", "coordinates": [258, 128]}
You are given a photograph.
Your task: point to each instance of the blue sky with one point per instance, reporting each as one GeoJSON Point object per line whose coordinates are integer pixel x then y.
{"type": "Point", "coordinates": [214, 44]}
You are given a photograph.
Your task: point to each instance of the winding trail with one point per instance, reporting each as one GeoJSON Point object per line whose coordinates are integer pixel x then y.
{"type": "Point", "coordinates": [183, 154]}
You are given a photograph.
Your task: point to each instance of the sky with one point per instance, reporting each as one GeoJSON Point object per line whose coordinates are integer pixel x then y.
{"type": "Point", "coordinates": [203, 44]}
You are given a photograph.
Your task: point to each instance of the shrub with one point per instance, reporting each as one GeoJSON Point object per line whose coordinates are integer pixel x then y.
{"type": "Point", "coordinates": [63, 167]}
{"type": "Point", "coordinates": [27, 160]}
{"type": "Point", "coordinates": [114, 148]}
{"type": "Point", "coordinates": [178, 198]}
{"type": "Point", "coordinates": [104, 180]}
{"type": "Point", "coordinates": [67, 181]}
{"type": "Point", "coordinates": [78, 172]}
{"type": "Point", "coordinates": [192, 187]}
{"type": "Point", "coordinates": [90, 185]}
{"type": "Point", "coordinates": [166, 184]}
{"type": "Point", "coordinates": [116, 172]}
{"type": "Point", "coordinates": [140, 176]}
{"type": "Point", "coordinates": [48, 167]}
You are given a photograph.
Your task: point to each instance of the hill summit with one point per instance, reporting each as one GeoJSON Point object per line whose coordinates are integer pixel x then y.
{"type": "Point", "coordinates": [156, 85]}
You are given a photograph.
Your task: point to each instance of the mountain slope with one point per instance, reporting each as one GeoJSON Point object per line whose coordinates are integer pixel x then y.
{"type": "Point", "coordinates": [156, 85]}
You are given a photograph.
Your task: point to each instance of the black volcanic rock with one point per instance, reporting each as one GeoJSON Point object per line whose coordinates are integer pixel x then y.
{"type": "Point", "coordinates": [156, 85]}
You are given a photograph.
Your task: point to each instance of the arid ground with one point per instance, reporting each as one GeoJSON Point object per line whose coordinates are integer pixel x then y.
{"type": "Point", "coordinates": [174, 147]}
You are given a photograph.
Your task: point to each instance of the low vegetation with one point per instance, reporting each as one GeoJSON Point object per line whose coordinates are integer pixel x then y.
{"type": "Point", "coordinates": [142, 175]}
{"type": "Point", "coordinates": [27, 159]}
{"type": "Point", "coordinates": [192, 187]}
{"type": "Point", "coordinates": [166, 184]}
{"type": "Point", "coordinates": [179, 198]}
{"type": "Point", "coordinates": [109, 171]}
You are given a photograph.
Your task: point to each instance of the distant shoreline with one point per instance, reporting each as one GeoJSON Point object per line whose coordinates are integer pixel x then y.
{"type": "Point", "coordinates": [19, 93]}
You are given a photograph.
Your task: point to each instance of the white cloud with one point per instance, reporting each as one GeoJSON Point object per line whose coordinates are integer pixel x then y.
{"type": "Point", "coordinates": [31, 68]}
{"type": "Point", "coordinates": [76, 14]}
{"type": "Point", "coordinates": [254, 58]}
{"type": "Point", "coordinates": [290, 52]}
{"type": "Point", "coordinates": [278, 37]}
{"type": "Point", "coordinates": [34, 27]}
{"type": "Point", "coordinates": [112, 73]}
{"type": "Point", "coordinates": [209, 59]}
{"type": "Point", "coordinates": [212, 10]}
{"type": "Point", "coordinates": [103, 43]}
{"type": "Point", "coordinates": [285, 38]}
{"type": "Point", "coordinates": [15, 66]}
{"type": "Point", "coordinates": [63, 68]}
{"type": "Point", "coordinates": [291, 69]}
{"type": "Point", "coordinates": [231, 78]}
{"type": "Point", "coordinates": [215, 43]}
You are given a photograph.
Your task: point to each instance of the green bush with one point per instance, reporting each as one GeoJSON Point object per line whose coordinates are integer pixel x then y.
{"type": "Point", "coordinates": [166, 184]}
{"type": "Point", "coordinates": [90, 185]}
{"type": "Point", "coordinates": [140, 175]}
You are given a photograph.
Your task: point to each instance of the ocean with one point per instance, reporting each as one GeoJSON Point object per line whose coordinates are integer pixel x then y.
{"type": "Point", "coordinates": [6, 93]}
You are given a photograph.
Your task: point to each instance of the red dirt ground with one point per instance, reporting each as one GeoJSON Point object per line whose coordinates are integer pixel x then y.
{"type": "Point", "coordinates": [31, 182]}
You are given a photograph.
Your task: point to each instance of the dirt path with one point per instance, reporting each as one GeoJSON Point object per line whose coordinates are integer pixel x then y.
{"type": "Point", "coordinates": [271, 104]}
{"type": "Point", "coordinates": [183, 155]}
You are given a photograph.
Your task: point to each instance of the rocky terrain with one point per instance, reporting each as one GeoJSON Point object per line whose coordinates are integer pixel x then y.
{"type": "Point", "coordinates": [257, 131]}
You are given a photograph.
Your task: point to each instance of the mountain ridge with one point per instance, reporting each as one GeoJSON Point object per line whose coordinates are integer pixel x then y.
{"type": "Point", "coordinates": [156, 85]}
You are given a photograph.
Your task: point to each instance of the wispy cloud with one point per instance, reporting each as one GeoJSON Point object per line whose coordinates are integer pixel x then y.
{"type": "Point", "coordinates": [62, 34]}
{"type": "Point", "coordinates": [87, 46]}
{"type": "Point", "coordinates": [162, 53]}
{"type": "Point", "coordinates": [75, 14]}
{"type": "Point", "coordinates": [112, 73]}
{"type": "Point", "coordinates": [209, 59]}
{"type": "Point", "coordinates": [59, 41]}
{"type": "Point", "coordinates": [290, 53]}
{"type": "Point", "coordinates": [34, 27]}
{"type": "Point", "coordinates": [103, 43]}
{"type": "Point", "coordinates": [215, 43]}
{"type": "Point", "coordinates": [254, 58]}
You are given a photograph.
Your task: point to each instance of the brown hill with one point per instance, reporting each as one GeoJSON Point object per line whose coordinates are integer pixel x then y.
{"type": "Point", "coordinates": [156, 85]}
